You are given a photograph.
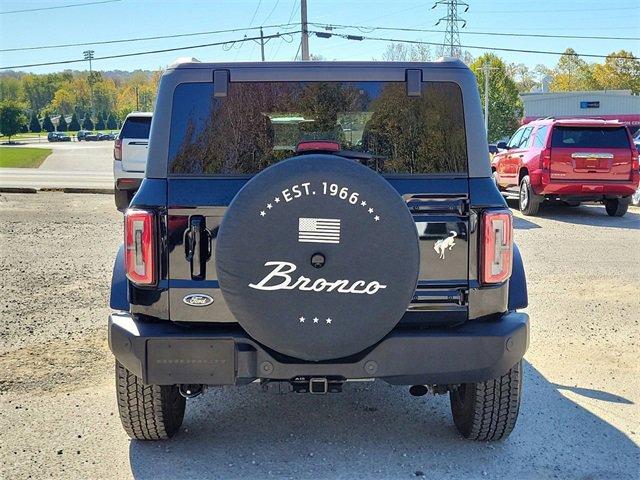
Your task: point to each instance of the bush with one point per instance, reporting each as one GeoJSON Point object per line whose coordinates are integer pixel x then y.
{"type": "Point", "coordinates": [112, 122]}
{"type": "Point", "coordinates": [87, 123]}
{"type": "Point", "coordinates": [100, 122]}
{"type": "Point", "coordinates": [62, 124]}
{"type": "Point", "coordinates": [74, 124]}
{"type": "Point", "coordinates": [34, 124]}
{"type": "Point", "coordinates": [47, 124]}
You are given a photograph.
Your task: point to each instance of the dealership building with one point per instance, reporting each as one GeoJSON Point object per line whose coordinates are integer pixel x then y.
{"type": "Point", "coordinates": [606, 104]}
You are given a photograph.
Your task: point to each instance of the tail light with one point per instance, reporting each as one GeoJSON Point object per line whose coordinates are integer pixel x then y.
{"type": "Point", "coordinates": [497, 243]}
{"type": "Point", "coordinates": [117, 149]}
{"type": "Point", "coordinates": [317, 145]}
{"type": "Point", "coordinates": [140, 250]}
{"type": "Point", "coordinates": [546, 158]}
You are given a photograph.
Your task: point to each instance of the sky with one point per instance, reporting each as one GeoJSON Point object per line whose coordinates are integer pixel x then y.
{"type": "Point", "coordinates": [124, 19]}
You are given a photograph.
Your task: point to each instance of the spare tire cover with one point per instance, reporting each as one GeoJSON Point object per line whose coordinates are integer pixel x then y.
{"type": "Point", "coordinates": [328, 211]}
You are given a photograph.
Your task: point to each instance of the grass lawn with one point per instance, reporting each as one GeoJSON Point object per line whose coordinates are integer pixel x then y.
{"type": "Point", "coordinates": [18, 157]}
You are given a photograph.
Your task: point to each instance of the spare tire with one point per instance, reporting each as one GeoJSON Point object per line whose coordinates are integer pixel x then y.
{"type": "Point", "coordinates": [317, 257]}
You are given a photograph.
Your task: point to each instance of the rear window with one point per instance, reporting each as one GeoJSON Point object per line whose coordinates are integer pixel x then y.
{"type": "Point", "coordinates": [136, 127]}
{"type": "Point", "coordinates": [589, 137]}
{"type": "Point", "coordinates": [261, 123]}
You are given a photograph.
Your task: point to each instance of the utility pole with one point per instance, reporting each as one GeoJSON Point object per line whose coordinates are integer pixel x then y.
{"type": "Point", "coordinates": [88, 55]}
{"type": "Point", "coordinates": [305, 30]}
{"type": "Point", "coordinates": [452, 34]}
{"type": "Point", "coordinates": [262, 42]}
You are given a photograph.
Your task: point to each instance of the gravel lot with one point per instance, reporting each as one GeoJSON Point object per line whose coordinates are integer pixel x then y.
{"type": "Point", "coordinates": [58, 418]}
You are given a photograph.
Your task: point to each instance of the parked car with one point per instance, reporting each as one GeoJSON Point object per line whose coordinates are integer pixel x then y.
{"type": "Point", "coordinates": [493, 149]}
{"type": "Point", "coordinates": [635, 198]}
{"type": "Point", "coordinates": [92, 136]}
{"type": "Point", "coordinates": [573, 160]}
{"type": "Point", "coordinates": [58, 137]}
{"type": "Point", "coordinates": [82, 134]}
{"type": "Point", "coordinates": [130, 157]}
{"type": "Point", "coordinates": [248, 251]}
{"type": "Point", "coordinates": [106, 136]}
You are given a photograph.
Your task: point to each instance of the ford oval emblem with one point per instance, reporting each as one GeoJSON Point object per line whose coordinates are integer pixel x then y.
{"type": "Point", "coordinates": [198, 300]}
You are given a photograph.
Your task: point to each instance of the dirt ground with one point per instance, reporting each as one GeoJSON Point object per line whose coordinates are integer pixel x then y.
{"type": "Point", "coordinates": [580, 414]}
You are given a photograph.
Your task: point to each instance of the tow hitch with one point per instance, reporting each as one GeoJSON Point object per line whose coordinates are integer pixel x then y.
{"type": "Point", "coordinates": [313, 385]}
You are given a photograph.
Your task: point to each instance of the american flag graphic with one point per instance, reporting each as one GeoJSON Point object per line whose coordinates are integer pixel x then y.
{"type": "Point", "coordinates": [319, 230]}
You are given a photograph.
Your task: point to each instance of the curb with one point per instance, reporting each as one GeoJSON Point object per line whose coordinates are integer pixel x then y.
{"type": "Point", "coordinates": [108, 191]}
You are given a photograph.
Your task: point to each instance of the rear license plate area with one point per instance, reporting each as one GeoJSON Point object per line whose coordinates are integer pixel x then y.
{"type": "Point", "coordinates": [210, 362]}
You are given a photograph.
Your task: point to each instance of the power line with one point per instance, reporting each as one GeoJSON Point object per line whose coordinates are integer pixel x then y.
{"type": "Point", "coordinates": [141, 39]}
{"type": "Point", "coordinates": [150, 52]}
{"type": "Point", "coordinates": [59, 6]}
{"type": "Point", "coordinates": [468, 32]}
{"type": "Point", "coordinates": [474, 47]}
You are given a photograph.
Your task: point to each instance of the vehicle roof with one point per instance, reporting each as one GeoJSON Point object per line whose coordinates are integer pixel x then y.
{"type": "Point", "coordinates": [140, 114]}
{"type": "Point", "coordinates": [443, 62]}
{"type": "Point", "coordinates": [580, 122]}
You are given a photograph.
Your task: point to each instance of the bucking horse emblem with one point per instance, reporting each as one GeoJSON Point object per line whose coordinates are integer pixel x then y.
{"type": "Point", "coordinates": [445, 243]}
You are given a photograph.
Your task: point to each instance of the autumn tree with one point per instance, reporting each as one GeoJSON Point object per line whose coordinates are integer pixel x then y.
{"type": "Point", "coordinates": [505, 107]}
{"type": "Point", "coordinates": [620, 71]}
{"type": "Point", "coordinates": [572, 74]}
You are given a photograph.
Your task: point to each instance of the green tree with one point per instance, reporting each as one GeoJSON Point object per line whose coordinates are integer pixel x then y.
{"type": "Point", "coordinates": [10, 89]}
{"type": "Point", "coordinates": [62, 124]}
{"type": "Point", "coordinates": [87, 123]}
{"type": "Point", "coordinates": [74, 124]}
{"type": "Point", "coordinates": [100, 122]}
{"type": "Point", "coordinates": [34, 124]}
{"type": "Point", "coordinates": [47, 124]}
{"type": "Point", "coordinates": [12, 118]}
{"type": "Point", "coordinates": [112, 122]}
{"type": "Point", "coordinates": [505, 107]}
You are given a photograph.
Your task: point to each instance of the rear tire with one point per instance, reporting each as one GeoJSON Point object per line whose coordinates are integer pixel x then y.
{"type": "Point", "coordinates": [616, 207]}
{"type": "Point", "coordinates": [529, 202]}
{"type": "Point", "coordinates": [148, 412]}
{"type": "Point", "coordinates": [488, 410]}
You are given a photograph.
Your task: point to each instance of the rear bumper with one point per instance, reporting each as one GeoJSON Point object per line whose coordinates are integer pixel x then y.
{"type": "Point", "coordinates": [166, 353]}
{"type": "Point", "coordinates": [542, 185]}
{"type": "Point", "coordinates": [126, 180]}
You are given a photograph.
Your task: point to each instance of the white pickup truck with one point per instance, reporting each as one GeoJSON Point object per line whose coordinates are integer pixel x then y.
{"type": "Point", "coordinates": [130, 157]}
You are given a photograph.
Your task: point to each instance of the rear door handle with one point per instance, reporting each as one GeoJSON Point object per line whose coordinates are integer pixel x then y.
{"type": "Point", "coordinates": [197, 246]}
{"type": "Point", "coordinates": [138, 143]}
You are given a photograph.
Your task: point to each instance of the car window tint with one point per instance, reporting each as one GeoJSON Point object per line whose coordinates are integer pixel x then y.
{"type": "Point", "coordinates": [590, 137]}
{"type": "Point", "coordinates": [261, 123]}
{"type": "Point", "coordinates": [136, 127]}
{"type": "Point", "coordinates": [515, 139]}
{"type": "Point", "coordinates": [541, 135]}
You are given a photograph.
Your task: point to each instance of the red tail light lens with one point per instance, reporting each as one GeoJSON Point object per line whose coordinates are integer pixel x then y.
{"type": "Point", "coordinates": [140, 251]}
{"type": "Point", "coordinates": [497, 242]}
{"type": "Point", "coordinates": [546, 158]}
{"type": "Point", "coordinates": [320, 145]}
{"type": "Point", "coordinates": [117, 149]}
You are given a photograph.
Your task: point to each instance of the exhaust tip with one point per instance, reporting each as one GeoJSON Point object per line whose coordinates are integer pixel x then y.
{"type": "Point", "coordinates": [191, 391]}
{"type": "Point", "coordinates": [418, 390]}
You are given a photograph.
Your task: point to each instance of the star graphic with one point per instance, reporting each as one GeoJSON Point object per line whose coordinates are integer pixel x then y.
{"type": "Point", "coordinates": [329, 320]}
{"type": "Point", "coordinates": [302, 319]}
{"type": "Point", "coordinates": [263, 213]}
{"type": "Point", "coordinates": [363, 203]}
{"type": "Point", "coordinates": [376, 218]}
{"type": "Point", "coordinates": [277, 200]}
{"type": "Point", "coordinates": [315, 320]}
{"type": "Point", "coordinates": [370, 210]}
{"type": "Point", "coordinates": [269, 206]}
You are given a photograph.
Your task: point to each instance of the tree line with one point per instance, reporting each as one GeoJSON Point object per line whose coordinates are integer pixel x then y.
{"type": "Point", "coordinates": [75, 100]}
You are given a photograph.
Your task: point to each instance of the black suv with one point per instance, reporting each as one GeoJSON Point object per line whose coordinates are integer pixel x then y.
{"type": "Point", "coordinates": [303, 225]}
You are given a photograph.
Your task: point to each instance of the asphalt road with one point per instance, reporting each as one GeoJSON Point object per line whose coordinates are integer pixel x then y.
{"type": "Point", "coordinates": [579, 418]}
{"type": "Point", "coordinates": [71, 165]}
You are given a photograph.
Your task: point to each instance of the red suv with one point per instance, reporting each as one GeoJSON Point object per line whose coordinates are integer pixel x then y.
{"type": "Point", "coordinates": [573, 160]}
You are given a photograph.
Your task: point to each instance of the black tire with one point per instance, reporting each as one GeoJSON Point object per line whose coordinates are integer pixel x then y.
{"type": "Point", "coordinates": [488, 410]}
{"type": "Point", "coordinates": [616, 207]}
{"type": "Point", "coordinates": [122, 198]}
{"type": "Point", "coordinates": [148, 412]}
{"type": "Point", "coordinates": [528, 201]}
{"type": "Point", "coordinates": [572, 204]}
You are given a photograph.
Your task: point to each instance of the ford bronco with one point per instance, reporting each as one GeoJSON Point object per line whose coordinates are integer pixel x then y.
{"type": "Point", "coordinates": [304, 225]}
